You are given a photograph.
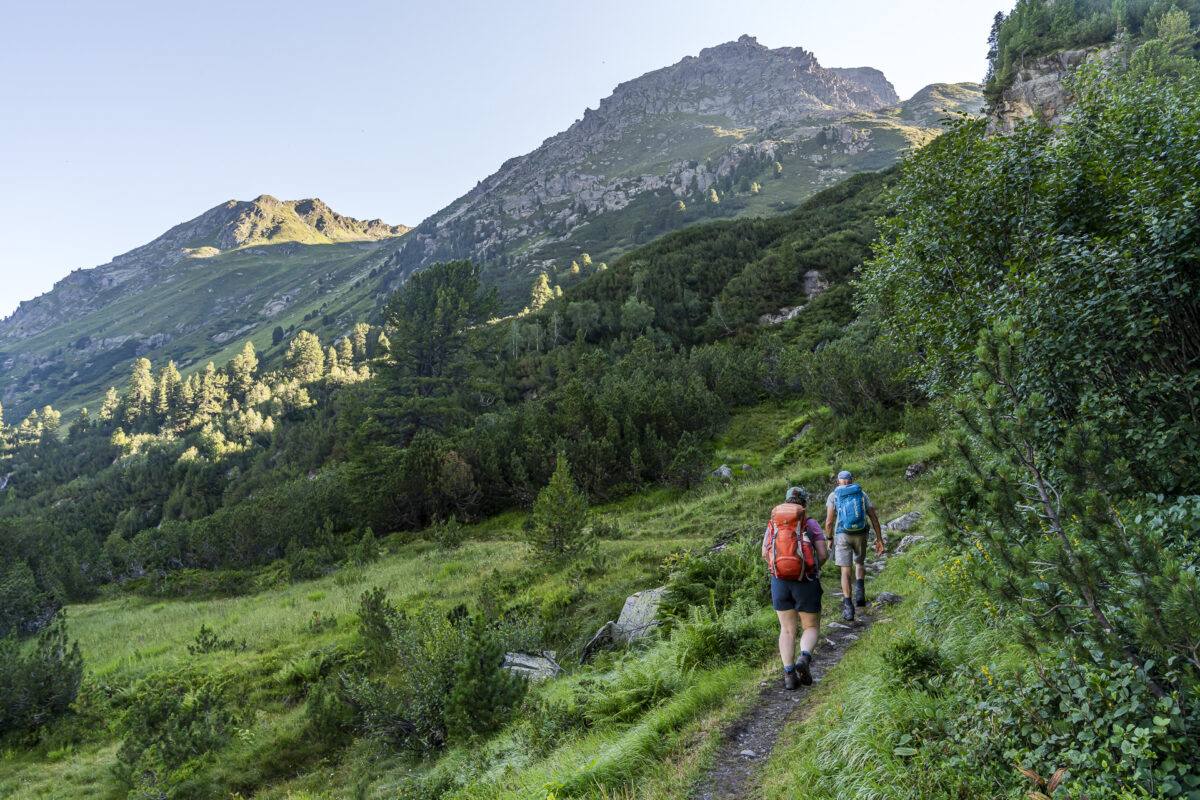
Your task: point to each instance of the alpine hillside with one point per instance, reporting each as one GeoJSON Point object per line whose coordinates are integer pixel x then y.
{"type": "Point", "coordinates": [738, 130]}
{"type": "Point", "coordinates": [204, 286]}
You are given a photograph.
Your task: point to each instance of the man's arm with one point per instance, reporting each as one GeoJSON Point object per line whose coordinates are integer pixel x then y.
{"type": "Point", "coordinates": [878, 530]}
{"type": "Point", "coordinates": [830, 518]}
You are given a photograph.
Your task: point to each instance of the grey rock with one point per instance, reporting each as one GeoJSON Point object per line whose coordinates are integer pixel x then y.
{"type": "Point", "coordinates": [749, 754]}
{"type": "Point", "coordinates": [888, 598]}
{"type": "Point", "coordinates": [638, 614]}
{"type": "Point", "coordinates": [904, 523]}
{"type": "Point", "coordinates": [916, 470]}
{"type": "Point", "coordinates": [815, 284]}
{"type": "Point", "coordinates": [783, 315]}
{"type": "Point", "coordinates": [908, 541]}
{"type": "Point", "coordinates": [532, 666]}
{"type": "Point", "coordinates": [724, 472]}
{"type": "Point", "coordinates": [746, 467]}
{"type": "Point", "coordinates": [1040, 91]}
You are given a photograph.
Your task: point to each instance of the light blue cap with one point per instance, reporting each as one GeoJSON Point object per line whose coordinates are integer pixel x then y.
{"type": "Point", "coordinates": [845, 475]}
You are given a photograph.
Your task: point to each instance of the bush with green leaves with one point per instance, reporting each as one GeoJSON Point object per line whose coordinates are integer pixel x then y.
{"type": "Point", "coordinates": [1049, 282]}
{"type": "Point", "coordinates": [1104, 725]}
{"type": "Point", "coordinates": [38, 686]}
{"type": "Point", "coordinates": [171, 726]}
{"type": "Point", "coordinates": [414, 703]}
{"type": "Point", "coordinates": [912, 661]}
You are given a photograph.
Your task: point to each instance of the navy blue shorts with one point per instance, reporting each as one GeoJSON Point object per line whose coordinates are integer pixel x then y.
{"type": "Point", "coordinates": [799, 595]}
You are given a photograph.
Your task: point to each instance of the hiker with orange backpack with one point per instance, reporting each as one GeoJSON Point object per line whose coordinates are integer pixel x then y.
{"type": "Point", "coordinates": [794, 548]}
{"type": "Point", "coordinates": [850, 507]}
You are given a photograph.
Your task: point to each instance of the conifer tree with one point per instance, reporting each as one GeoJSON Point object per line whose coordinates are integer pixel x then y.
{"type": "Point", "coordinates": [305, 358]}
{"type": "Point", "coordinates": [485, 694]}
{"type": "Point", "coordinates": [558, 524]}
{"type": "Point", "coordinates": [108, 409]}
{"type": "Point", "coordinates": [541, 293]}
{"type": "Point", "coordinates": [241, 370]}
{"type": "Point", "coordinates": [141, 390]}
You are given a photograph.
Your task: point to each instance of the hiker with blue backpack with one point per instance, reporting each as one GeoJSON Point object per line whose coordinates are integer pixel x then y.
{"type": "Point", "coordinates": [794, 548]}
{"type": "Point", "coordinates": [849, 506]}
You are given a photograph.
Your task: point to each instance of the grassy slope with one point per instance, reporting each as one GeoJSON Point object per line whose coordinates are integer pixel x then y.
{"type": "Point", "coordinates": [126, 638]}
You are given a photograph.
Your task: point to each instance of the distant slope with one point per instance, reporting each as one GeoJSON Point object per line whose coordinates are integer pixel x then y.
{"type": "Point", "coordinates": [203, 287]}
{"type": "Point", "coordinates": [738, 130]}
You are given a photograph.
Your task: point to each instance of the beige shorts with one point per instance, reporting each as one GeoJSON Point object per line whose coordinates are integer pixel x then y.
{"type": "Point", "coordinates": [849, 549]}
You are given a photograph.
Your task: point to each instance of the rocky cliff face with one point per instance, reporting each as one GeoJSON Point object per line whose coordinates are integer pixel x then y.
{"type": "Point", "coordinates": [732, 112]}
{"type": "Point", "coordinates": [1039, 90]}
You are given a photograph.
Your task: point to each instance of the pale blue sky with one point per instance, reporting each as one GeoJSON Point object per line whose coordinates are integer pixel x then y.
{"type": "Point", "coordinates": [121, 119]}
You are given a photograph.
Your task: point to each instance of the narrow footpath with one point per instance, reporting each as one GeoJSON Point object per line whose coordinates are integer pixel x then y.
{"type": "Point", "coordinates": [747, 743]}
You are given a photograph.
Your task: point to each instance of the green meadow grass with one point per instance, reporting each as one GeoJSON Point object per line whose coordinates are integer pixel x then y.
{"type": "Point", "coordinates": [658, 755]}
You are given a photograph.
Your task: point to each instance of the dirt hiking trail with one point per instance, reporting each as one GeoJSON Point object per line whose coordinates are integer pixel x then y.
{"type": "Point", "coordinates": [747, 743]}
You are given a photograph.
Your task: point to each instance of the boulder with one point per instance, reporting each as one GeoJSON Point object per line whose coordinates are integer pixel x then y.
{"type": "Point", "coordinates": [605, 637]}
{"type": "Point", "coordinates": [535, 667]}
{"type": "Point", "coordinates": [908, 541]}
{"type": "Point", "coordinates": [888, 598]}
{"type": "Point", "coordinates": [724, 472]}
{"type": "Point", "coordinates": [639, 614]}
{"type": "Point", "coordinates": [815, 284]}
{"type": "Point", "coordinates": [903, 523]}
{"type": "Point", "coordinates": [915, 471]}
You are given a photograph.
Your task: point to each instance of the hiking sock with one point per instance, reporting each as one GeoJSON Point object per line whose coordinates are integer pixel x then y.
{"type": "Point", "coordinates": [788, 669]}
{"type": "Point", "coordinates": [860, 592]}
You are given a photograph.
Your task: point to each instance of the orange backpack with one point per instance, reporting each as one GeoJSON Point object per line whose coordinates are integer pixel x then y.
{"type": "Point", "coordinates": [790, 553]}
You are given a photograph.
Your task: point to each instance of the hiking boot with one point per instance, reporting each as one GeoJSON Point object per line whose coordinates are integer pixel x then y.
{"type": "Point", "coordinates": [860, 594]}
{"type": "Point", "coordinates": [803, 671]}
{"type": "Point", "coordinates": [847, 609]}
{"type": "Point", "coordinates": [790, 681]}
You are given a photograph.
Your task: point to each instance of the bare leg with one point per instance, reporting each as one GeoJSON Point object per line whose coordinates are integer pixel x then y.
{"type": "Point", "coordinates": [846, 581]}
{"type": "Point", "coordinates": [808, 640]}
{"type": "Point", "coordinates": [787, 637]}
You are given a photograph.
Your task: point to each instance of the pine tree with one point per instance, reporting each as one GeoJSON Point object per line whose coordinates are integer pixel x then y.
{"type": "Point", "coordinates": [305, 358]}
{"type": "Point", "coordinates": [541, 293]}
{"type": "Point", "coordinates": [558, 524]}
{"type": "Point", "coordinates": [141, 390]}
{"type": "Point", "coordinates": [241, 370]}
{"type": "Point", "coordinates": [485, 694]}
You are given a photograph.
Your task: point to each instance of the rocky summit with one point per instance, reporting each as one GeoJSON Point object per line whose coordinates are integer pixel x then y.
{"type": "Point", "coordinates": [738, 129]}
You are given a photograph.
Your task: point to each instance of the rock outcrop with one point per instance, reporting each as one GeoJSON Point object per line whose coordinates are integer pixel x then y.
{"type": "Point", "coordinates": [1039, 91]}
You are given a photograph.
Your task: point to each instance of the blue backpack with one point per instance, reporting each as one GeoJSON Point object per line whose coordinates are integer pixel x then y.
{"type": "Point", "coordinates": [851, 508]}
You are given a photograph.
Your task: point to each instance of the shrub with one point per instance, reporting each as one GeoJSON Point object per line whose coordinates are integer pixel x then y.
{"type": "Point", "coordinates": [171, 726]}
{"type": "Point", "coordinates": [413, 706]}
{"type": "Point", "coordinates": [207, 641]}
{"type": "Point", "coordinates": [1105, 726]}
{"type": "Point", "coordinates": [912, 661]}
{"type": "Point", "coordinates": [38, 687]}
